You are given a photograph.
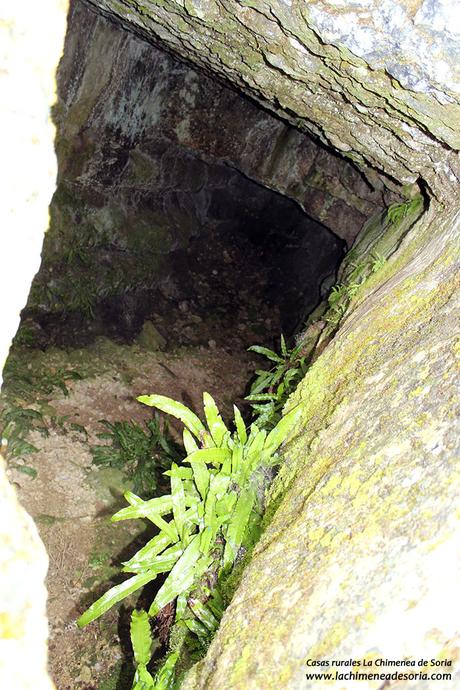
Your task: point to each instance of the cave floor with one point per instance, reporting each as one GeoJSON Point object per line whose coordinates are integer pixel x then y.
{"type": "Point", "coordinates": [72, 499]}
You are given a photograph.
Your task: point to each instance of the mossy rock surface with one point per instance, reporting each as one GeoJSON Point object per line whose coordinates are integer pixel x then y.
{"type": "Point", "coordinates": [358, 556]}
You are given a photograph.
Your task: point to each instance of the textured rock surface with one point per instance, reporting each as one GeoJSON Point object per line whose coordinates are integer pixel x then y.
{"type": "Point", "coordinates": [184, 107]}
{"type": "Point", "coordinates": [377, 81]}
{"type": "Point", "coordinates": [28, 175]}
{"type": "Point", "coordinates": [360, 558]}
{"type": "Point", "coordinates": [27, 178]}
{"type": "Point", "coordinates": [23, 625]}
{"type": "Point", "coordinates": [149, 158]}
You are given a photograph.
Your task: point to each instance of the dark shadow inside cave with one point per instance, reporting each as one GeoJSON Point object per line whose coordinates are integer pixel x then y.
{"type": "Point", "coordinates": [181, 203]}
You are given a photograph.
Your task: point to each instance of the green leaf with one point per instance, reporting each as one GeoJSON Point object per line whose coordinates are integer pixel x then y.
{"type": "Point", "coordinates": [25, 469]}
{"type": "Point", "coordinates": [114, 595]}
{"type": "Point", "coordinates": [284, 350]}
{"type": "Point", "coordinates": [210, 521]}
{"type": "Point", "coordinates": [180, 579]}
{"type": "Point", "coordinates": [237, 458]}
{"type": "Point", "coordinates": [152, 510]}
{"type": "Point", "coordinates": [175, 409]}
{"type": "Point", "coordinates": [168, 528]}
{"type": "Point", "coordinates": [254, 451]}
{"type": "Point", "coordinates": [240, 425]}
{"type": "Point", "coordinates": [190, 444]}
{"type": "Point", "coordinates": [218, 484]}
{"type": "Point", "coordinates": [238, 523]}
{"type": "Point", "coordinates": [201, 477]}
{"type": "Point", "coordinates": [141, 636]}
{"type": "Point", "coordinates": [162, 563]}
{"type": "Point", "coordinates": [279, 434]}
{"type": "Point", "coordinates": [214, 456]}
{"type": "Point", "coordinates": [181, 606]}
{"type": "Point", "coordinates": [196, 627]}
{"type": "Point", "coordinates": [179, 472]}
{"type": "Point", "coordinates": [178, 503]}
{"type": "Point", "coordinates": [203, 614]}
{"type": "Point", "coordinates": [226, 504]}
{"type": "Point", "coordinates": [147, 554]}
{"type": "Point", "coordinates": [262, 382]}
{"type": "Point", "coordinates": [140, 509]}
{"type": "Point", "coordinates": [216, 604]}
{"type": "Point", "coordinates": [164, 679]}
{"type": "Point", "coordinates": [214, 420]}
{"type": "Point", "coordinates": [266, 353]}
{"type": "Point", "coordinates": [206, 536]}
{"type": "Point", "coordinates": [143, 680]}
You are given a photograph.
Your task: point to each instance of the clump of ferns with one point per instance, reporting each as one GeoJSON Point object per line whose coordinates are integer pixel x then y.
{"type": "Point", "coordinates": [214, 511]}
{"type": "Point", "coordinates": [341, 295]}
{"type": "Point", "coordinates": [142, 452]}
{"type": "Point", "coordinates": [271, 388]}
{"type": "Point", "coordinates": [396, 213]}
{"type": "Point", "coordinates": [24, 390]}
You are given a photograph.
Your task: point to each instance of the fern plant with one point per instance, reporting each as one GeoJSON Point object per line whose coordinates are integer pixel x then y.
{"type": "Point", "coordinates": [271, 388]}
{"type": "Point", "coordinates": [142, 452]}
{"type": "Point", "coordinates": [396, 213]}
{"type": "Point", "coordinates": [211, 502]}
{"type": "Point", "coordinates": [141, 640]}
{"type": "Point", "coordinates": [341, 294]}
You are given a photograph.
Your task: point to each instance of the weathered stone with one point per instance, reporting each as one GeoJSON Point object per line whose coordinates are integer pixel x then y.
{"type": "Point", "coordinates": [23, 625]}
{"type": "Point", "coordinates": [360, 557]}
{"type": "Point", "coordinates": [150, 337]}
{"type": "Point", "coordinates": [149, 159]}
{"type": "Point", "coordinates": [27, 179]}
{"type": "Point", "coordinates": [377, 82]}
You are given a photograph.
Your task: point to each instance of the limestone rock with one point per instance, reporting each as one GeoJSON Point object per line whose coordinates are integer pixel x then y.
{"type": "Point", "coordinates": [150, 337]}
{"type": "Point", "coordinates": [154, 155]}
{"type": "Point", "coordinates": [23, 625]}
{"type": "Point", "coordinates": [376, 81]}
{"type": "Point", "coordinates": [360, 557]}
{"type": "Point", "coordinates": [27, 178]}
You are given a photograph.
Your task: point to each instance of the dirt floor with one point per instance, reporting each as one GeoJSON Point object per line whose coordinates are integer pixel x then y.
{"type": "Point", "coordinates": [72, 499]}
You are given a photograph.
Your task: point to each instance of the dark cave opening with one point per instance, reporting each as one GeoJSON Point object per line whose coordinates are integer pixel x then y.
{"type": "Point", "coordinates": [175, 205]}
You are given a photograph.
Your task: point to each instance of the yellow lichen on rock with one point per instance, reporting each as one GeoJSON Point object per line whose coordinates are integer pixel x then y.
{"type": "Point", "coordinates": [363, 534]}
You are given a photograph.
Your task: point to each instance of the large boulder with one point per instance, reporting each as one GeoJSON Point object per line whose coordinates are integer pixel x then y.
{"type": "Point", "coordinates": [28, 173]}
{"type": "Point", "coordinates": [359, 559]}
{"type": "Point", "coordinates": [376, 81]}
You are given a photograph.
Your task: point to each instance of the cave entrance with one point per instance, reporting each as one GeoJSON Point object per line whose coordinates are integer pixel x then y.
{"type": "Point", "coordinates": [181, 202]}
{"type": "Point", "coordinates": [188, 224]}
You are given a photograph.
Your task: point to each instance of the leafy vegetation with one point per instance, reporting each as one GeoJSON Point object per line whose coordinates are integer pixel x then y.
{"type": "Point", "coordinates": [214, 511]}
{"type": "Point", "coordinates": [22, 388]}
{"type": "Point", "coordinates": [398, 212]}
{"type": "Point", "coordinates": [142, 452]}
{"type": "Point", "coordinates": [271, 388]}
{"type": "Point", "coordinates": [342, 294]}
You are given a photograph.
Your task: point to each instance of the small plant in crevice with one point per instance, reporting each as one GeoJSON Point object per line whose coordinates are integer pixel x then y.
{"type": "Point", "coordinates": [272, 387]}
{"type": "Point", "coordinates": [142, 452]}
{"type": "Point", "coordinates": [214, 511]}
{"type": "Point", "coordinates": [341, 295]}
{"type": "Point", "coordinates": [396, 219]}
{"type": "Point", "coordinates": [396, 213]}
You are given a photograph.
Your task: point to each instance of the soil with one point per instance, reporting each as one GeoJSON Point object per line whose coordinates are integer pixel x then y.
{"type": "Point", "coordinates": [72, 500]}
